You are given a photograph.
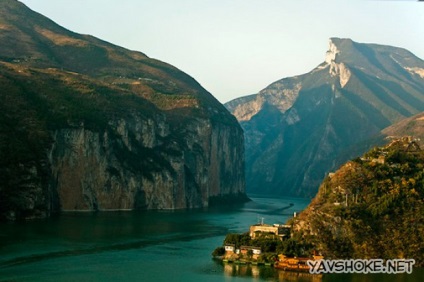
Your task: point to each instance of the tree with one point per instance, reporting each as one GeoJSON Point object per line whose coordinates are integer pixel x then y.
{"type": "Point", "coordinates": [250, 254]}
{"type": "Point", "coordinates": [220, 251]}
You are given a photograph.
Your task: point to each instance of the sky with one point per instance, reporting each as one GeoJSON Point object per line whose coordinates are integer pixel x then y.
{"type": "Point", "coordinates": [235, 48]}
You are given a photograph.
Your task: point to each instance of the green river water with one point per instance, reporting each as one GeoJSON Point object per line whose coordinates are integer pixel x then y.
{"type": "Point", "coordinates": [149, 246]}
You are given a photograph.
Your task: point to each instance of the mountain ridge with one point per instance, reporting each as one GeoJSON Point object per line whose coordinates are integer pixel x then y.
{"type": "Point", "coordinates": [302, 123]}
{"type": "Point", "coordinates": [87, 125]}
{"type": "Point", "coordinates": [88, 55]}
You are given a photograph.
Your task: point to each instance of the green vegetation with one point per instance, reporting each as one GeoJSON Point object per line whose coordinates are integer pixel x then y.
{"type": "Point", "coordinates": [219, 251]}
{"type": "Point", "coordinates": [270, 246]}
{"type": "Point", "coordinates": [238, 240]}
{"type": "Point", "coordinates": [372, 207]}
{"type": "Point", "coordinates": [53, 81]}
{"type": "Point", "coordinates": [36, 103]}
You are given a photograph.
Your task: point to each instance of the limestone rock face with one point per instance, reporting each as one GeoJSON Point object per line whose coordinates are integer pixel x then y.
{"type": "Point", "coordinates": [91, 171]}
{"type": "Point", "coordinates": [299, 128]}
{"type": "Point", "coordinates": [87, 125]}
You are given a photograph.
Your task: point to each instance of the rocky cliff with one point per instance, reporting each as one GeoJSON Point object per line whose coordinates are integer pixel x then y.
{"type": "Point", "coordinates": [136, 169]}
{"type": "Point", "coordinates": [299, 128]}
{"type": "Point", "coordinates": [86, 125]}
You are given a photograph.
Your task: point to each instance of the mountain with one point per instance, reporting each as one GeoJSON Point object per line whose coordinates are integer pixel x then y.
{"type": "Point", "coordinates": [300, 128]}
{"type": "Point", "coordinates": [87, 125]}
{"type": "Point", "coordinates": [371, 207]}
{"type": "Point", "coordinates": [413, 126]}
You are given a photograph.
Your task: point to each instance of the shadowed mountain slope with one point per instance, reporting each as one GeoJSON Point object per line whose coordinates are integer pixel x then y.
{"type": "Point", "coordinates": [300, 128]}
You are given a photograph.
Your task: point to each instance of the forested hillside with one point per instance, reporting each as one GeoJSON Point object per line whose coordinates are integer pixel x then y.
{"type": "Point", "coordinates": [372, 207]}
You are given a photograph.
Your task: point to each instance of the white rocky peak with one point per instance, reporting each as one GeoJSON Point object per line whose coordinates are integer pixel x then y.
{"type": "Point", "coordinates": [332, 52]}
{"type": "Point", "coordinates": [336, 69]}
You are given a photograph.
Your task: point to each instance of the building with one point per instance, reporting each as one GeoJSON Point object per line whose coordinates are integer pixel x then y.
{"type": "Point", "coordinates": [230, 248]}
{"type": "Point", "coordinates": [281, 231]}
{"type": "Point", "coordinates": [295, 264]}
{"type": "Point", "coordinates": [256, 251]}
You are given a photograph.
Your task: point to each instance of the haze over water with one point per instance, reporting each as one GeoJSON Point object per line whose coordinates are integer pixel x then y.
{"type": "Point", "coordinates": [147, 246]}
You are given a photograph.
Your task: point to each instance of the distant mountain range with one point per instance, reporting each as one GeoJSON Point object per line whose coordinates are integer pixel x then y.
{"type": "Point", "coordinates": [298, 129]}
{"type": "Point", "coordinates": [87, 125]}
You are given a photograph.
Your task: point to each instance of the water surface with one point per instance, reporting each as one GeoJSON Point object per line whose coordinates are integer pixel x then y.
{"type": "Point", "coordinates": [147, 246]}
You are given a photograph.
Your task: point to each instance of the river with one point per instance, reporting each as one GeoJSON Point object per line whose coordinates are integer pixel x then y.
{"type": "Point", "coordinates": [149, 246]}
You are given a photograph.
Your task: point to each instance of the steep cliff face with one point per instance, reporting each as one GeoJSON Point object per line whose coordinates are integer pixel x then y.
{"type": "Point", "coordinates": [138, 170]}
{"type": "Point", "coordinates": [300, 128]}
{"type": "Point", "coordinates": [86, 125]}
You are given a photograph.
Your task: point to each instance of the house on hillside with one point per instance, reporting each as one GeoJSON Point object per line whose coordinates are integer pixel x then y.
{"type": "Point", "coordinates": [256, 251]}
{"type": "Point", "coordinates": [229, 248]}
{"type": "Point", "coordinates": [280, 231]}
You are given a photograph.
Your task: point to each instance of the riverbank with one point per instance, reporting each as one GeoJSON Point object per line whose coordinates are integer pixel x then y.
{"type": "Point", "coordinates": [243, 262]}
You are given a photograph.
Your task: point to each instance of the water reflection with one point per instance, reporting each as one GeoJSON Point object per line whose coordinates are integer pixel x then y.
{"type": "Point", "coordinates": [268, 273]}
{"type": "Point", "coordinates": [298, 276]}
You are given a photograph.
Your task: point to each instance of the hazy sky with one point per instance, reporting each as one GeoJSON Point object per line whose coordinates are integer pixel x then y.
{"type": "Point", "coordinates": [238, 47]}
